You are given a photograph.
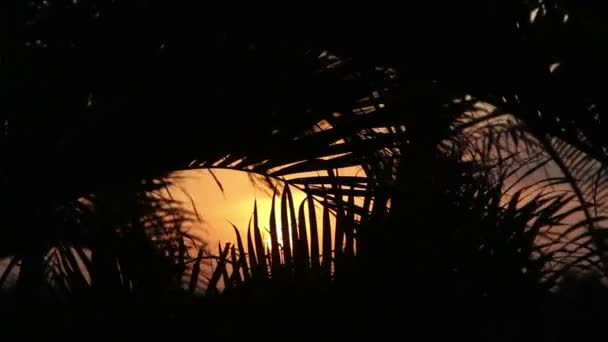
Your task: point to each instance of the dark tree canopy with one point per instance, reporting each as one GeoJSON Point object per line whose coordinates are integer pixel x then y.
{"type": "Point", "coordinates": [452, 109]}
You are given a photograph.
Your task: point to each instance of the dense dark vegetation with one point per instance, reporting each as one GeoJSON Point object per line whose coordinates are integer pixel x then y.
{"type": "Point", "coordinates": [479, 127]}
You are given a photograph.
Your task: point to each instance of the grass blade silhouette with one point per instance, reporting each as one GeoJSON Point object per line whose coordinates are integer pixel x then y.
{"type": "Point", "coordinates": [235, 276]}
{"type": "Point", "coordinates": [274, 240]}
{"type": "Point", "coordinates": [196, 270]}
{"type": "Point", "coordinates": [350, 233]}
{"type": "Point", "coordinates": [259, 244]}
{"type": "Point", "coordinates": [296, 250]}
{"type": "Point", "coordinates": [255, 271]}
{"type": "Point", "coordinates": [314, 236]}
{"type": "Point", "coordinates": [242, 255]}
{"type": "Point", "coordinates": [219, 271]}
{"type": "Point", "coordinates": [285, 228]}
{"type": "Point", "coordinates": [339, 238]}
{"type": "Point", "coordinates": [327, 255]}
{"type": "Point", "coordinates": [225, 277]}
{"type": "Point", "coordinates": [303, 238]}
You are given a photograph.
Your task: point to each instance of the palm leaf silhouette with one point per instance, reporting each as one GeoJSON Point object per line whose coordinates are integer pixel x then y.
{"type": "Point", "coordinates": [313, 103]}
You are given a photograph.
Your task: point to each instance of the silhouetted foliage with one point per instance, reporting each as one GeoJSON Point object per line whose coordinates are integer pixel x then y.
{"type": "Point", "coordinates": [478, 124]}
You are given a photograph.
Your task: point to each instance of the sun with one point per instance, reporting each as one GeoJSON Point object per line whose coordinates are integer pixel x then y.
{"type": "Point", "coordinates": [268, 240]}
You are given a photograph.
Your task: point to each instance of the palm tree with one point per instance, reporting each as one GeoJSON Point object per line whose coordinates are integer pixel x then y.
{"type": "Point", "coordinates": [116, 111]}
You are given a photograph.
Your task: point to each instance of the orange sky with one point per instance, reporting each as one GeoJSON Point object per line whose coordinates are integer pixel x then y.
{"type": "Point", "coordinates": [235, 204]}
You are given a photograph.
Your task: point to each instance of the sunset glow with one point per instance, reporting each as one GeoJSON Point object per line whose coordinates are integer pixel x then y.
{"type": "Point", "coordinates": [220, 210]}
